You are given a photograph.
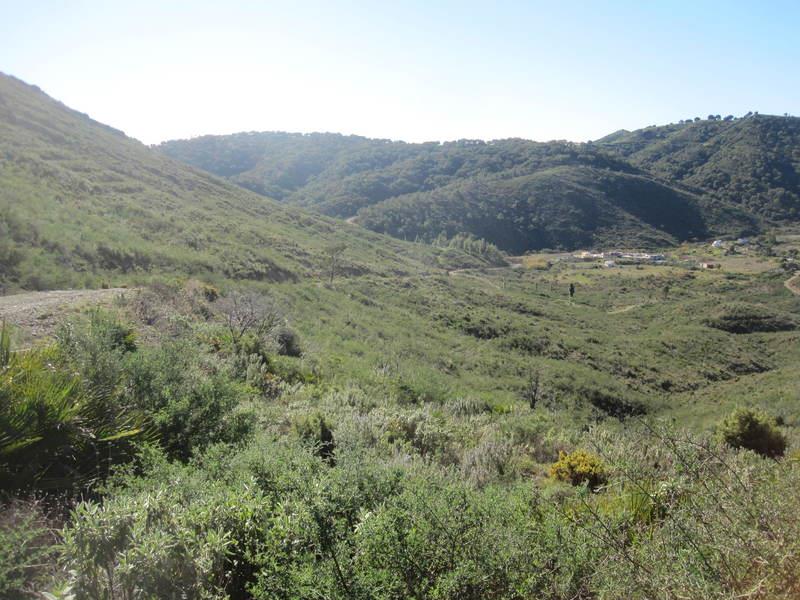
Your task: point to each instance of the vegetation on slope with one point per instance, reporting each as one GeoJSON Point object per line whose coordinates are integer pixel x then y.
{"type": "Point", "coordinates": [400, 452]}
{"type": "Point", "coordinates": [753, 162]}
{"type": "Point", "coordinates": [580, 194]}
{"type": "Point", "coordinates": [394, 431]}
{"type": "Point", "coordinates": [82, 204]}
{"type": "Point", "coordinates": [563, 207]}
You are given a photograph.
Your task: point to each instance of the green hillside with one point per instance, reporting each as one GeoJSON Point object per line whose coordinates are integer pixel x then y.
{"type": "Point", "coordinates": [517, 194]}
{"type": "Point", "coordinates": [81, 204]}
{"type": "Point", "coordinates": [753, 162]}
{"type": "Point", "coordinates": [563, 207]}
{"type": "Point", "coordinates": [410, 428]}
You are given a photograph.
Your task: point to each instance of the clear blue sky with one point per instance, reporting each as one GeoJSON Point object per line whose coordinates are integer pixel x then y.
{"type": "Point", "coordinates": [411, 69]}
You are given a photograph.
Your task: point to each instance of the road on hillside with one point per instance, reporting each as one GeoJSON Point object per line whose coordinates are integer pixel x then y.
{"type": "Point", "coordinates": [793, 284]}
{"type": "Point", "coordinates": [37, 313]}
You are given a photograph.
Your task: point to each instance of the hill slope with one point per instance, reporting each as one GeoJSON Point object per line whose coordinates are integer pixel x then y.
{"type": "Point", "coordinates": [81, 203]}
{"type": "Point", "coordinates": [561, 207]}
{"type": "Point", "coordinates": [753, 162]}
{"type": "Point", "coordinates": [434, 185]}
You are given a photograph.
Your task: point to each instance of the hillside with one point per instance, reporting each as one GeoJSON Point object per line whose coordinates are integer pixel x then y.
{"type": "Point", "coordinates": [562, 207]}
{"type": "Point", "coordinates": [753, 162]}
{"type": "Point", "coordinates": [82, 204]}
{"type": "Point", "coordinates": [551, 429]}
{"type": "Point", "coordinates": [531, 195]}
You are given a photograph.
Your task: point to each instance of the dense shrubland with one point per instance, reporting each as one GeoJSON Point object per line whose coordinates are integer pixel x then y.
{"type": "Point", "coordinates": [647, 187]}
{"type": "Point", "coordinates": [240, 469]}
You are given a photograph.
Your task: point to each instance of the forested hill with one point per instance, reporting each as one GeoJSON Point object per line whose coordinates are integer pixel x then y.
{"type": "Point", "coordinates": [753, 162]}
{"type": "Point", "coordinates": [518, 194]}
{"type": "Point", "coordinates": [82, 204]}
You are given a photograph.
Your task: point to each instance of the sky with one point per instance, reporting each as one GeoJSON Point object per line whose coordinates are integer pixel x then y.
{"type": "Point", "coordinates": [414, 70]}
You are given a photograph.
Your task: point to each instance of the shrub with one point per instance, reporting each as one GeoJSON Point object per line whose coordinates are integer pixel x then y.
{"type": "Point", "coordinates": [95, 348]}
{"type": "Point", "coordinates": [315, 429]}
{"type": "Point", "coordinates": [753, 430]}
{"type": "Point", "coordinates": [54, 432]}
{"type": "Point", "coordinates": [750, 318]}
{"type": "Point", "coordinates": [288, 342]}
{"type": "Point", "coordinates": [27, 549]}
{"type": "Point", "coordinates": [616, 407]}
{"type": "Point", "coordinates": [579, 467]}
{"type": "Point", "coordinates": [192, 404]}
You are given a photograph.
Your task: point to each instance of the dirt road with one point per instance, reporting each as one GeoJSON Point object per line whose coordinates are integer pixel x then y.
{"type": "Point", "coordinates": [793, 284]}
{"type": "Point", "coordinates": [36, 314]}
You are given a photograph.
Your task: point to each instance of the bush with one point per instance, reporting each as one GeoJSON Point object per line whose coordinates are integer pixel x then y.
{"type": "Point", "coordinates": [579, 467]}
{"type": "Point", "coordinates": [753, 430]}
{"type": "Point", "coordinates": [288, 342]}
{"type": "Point", "coordinates": [96, 348]}
{"type": "Point", "coordinates": [27, 549]}
{"type": "Point", "coordinates": [315, 429]}
{"type": "Point", "coordinates": [750, 318]}
{"type": "Point", "coordinates": [191, 403]}
{"type": "Point", "coordinates": [54, 432]}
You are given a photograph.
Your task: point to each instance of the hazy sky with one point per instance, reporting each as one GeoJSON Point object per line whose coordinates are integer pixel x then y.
{"type": "Point", "coordinates": [405, 69]}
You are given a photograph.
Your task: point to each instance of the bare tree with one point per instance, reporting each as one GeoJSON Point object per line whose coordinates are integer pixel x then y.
{"type": "Point", "coordinates": [253, 314]}
{"type": "Point", "coordinates": [532, 389]}
{"type": "Point", "coordinates": [333, 252]}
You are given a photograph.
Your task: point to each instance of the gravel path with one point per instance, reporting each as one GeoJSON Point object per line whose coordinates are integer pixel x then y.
{"type": "Point", "coordinates": [38, 313]}
{"type": "Point", "coordinates": [793, 284]}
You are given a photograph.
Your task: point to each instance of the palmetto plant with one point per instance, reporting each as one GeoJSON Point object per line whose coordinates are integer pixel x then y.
{"type": "Point", "coordinates": [55, 433]}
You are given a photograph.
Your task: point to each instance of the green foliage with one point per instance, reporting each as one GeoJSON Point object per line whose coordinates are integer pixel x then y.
{"type": "Point", "coordinates": [82, 204]}
{"type": "Point", "coordinates": [749, 318]}
{"type": "Point", "coordinates": [316, 430]}
{"type": "Point", "coordinates": [753, 430]}
{"type": "Point", "coordinates": [474, 246]}
{"type": "Point", "coordinates": [749, 161]}
{"type": "Point", "coordinates": [28, 551]}
{"type": "Point", "coordinates": [515, 194]}
{"type": "Point", "coordinates": [578, 468]}
{"type": "Point", "coordinates": [444, 429]}
{"type": "Point", "coordinates": [191, 402]}
{"type": "Point", "coordinates": [273, 521]}
{"type": "Point", "coordinates": [97, 348]}
{"type": "Point", "coordinates": [55, 431]}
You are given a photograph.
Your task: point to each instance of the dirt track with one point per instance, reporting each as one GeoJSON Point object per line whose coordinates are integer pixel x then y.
{"type": "Point", "coordinates": [37, 313]}
{"type": "Point", "coordinates": [793, 284]}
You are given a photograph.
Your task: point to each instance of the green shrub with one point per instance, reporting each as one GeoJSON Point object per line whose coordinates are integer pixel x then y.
{"type": "Point", "coordinates": [288, 342]}
{"type": "Point", "coordinates": [54, 432]}
{"type": "Point", "coordinates": [27, 549]}
{"type": "Point", "coordinates": [750, 318]}
{"type": "Point", "coordinates": [753, 430]}
{"type": "Point", "coordinates": [578, 468]}
{"type": "Point", "coordinates": [316, 430]}
{"type": "Point", "coordinates": [191, 403]}
{"type": "Point", "coordinates": [96, 348]}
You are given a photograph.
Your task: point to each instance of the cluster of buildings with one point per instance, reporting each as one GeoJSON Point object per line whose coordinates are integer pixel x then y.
{"type": "Point", "coordinates": [722, 244]}
{"type": "Point", "coordinates": [615, 257]}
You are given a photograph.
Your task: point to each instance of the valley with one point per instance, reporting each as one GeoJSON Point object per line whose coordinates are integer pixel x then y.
{"type": "Point", "coordinates": [334, 367]}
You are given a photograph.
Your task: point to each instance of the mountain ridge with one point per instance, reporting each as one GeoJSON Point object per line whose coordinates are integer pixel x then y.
{"type": "Point", "coordinates": [352, 177]}
{"type": "Point", "coordinates": [82, 203]}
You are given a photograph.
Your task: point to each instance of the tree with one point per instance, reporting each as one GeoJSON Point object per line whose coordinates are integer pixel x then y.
{"type": "Point", "coordinates": [571, 290]}
{"type": "Point", "coordinates": [753, 430]}
{"type": "Point", "coordinates": [249, 314]}
{"type": "Point", "coordinates": [333, 252]}
{"type": "Point", "coordinates": [532, 389]}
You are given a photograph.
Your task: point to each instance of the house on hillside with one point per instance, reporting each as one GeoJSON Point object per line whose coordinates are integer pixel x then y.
{"type": "Point", "coordinates": [710, 265]}
{"type": "Point", "coordinates": [717, 244]}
